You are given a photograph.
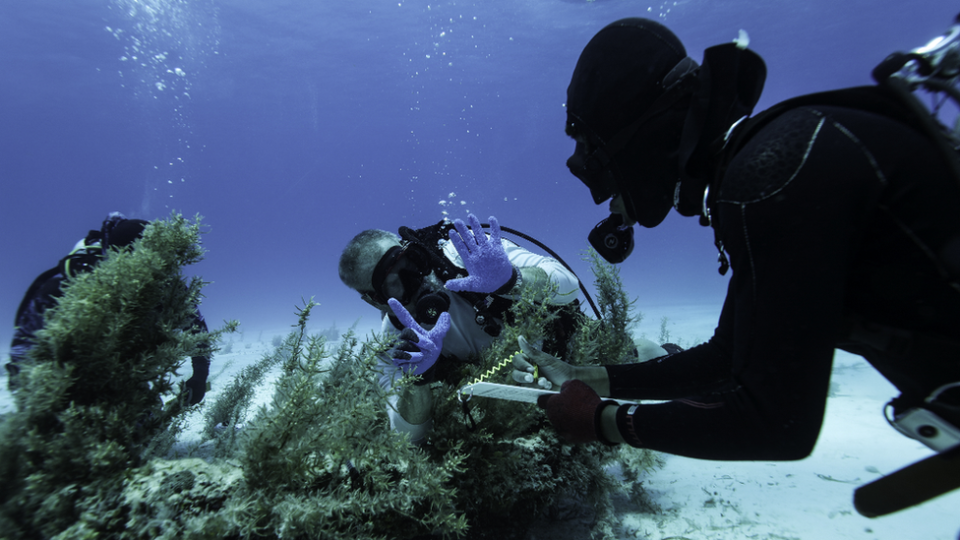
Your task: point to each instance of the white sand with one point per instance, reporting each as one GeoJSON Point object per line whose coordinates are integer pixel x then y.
{"type": "Point", "coordinates": [808, 499]}
{"type": "Point", "coordinates": [804, 499]}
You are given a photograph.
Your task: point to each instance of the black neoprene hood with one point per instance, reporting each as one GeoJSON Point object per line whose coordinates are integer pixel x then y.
{"type": "Point", "coordinates": [618, 76]}
{"type": "Point", "coordinates": [126, 232]}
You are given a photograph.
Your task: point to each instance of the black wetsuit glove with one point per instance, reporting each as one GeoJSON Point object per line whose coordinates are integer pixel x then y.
{"type": "Point", "coordinates": [196, 386]}
{"type": "Point", "coordinates": [406, 344]}
{"type": "Point", "coordinates": [400, 353]}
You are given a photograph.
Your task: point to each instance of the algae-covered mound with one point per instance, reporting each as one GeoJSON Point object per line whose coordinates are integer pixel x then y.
{"type": "Point", "coordinates": [86, 453]}
{"type": "Point", "coordinates": [321, 462]}
{"type": "Point", "coordinates": [516, 468]}
{"type": "Point", "coordinates": [89, 407]}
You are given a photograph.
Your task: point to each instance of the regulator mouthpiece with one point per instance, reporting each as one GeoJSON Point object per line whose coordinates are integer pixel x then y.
{"type": "Point", "coordinates": [612, 239]}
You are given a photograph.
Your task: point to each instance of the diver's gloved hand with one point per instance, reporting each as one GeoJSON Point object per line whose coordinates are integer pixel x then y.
{"type": "Point", "coordinates": [194, 389]}
{"type": "Point", "coordinates": [575, 412]}
{"type": "Point", "coordinates": [550, 371]}
{"type": "Point", "coordinates": [422, 347]}
{"type": "Point", "coordinates": [485, 259]}
{"type": "Point", "coordinates": [406, 344]}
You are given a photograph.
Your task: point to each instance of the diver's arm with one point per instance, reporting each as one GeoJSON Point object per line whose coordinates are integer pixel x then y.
{"type": "Point", "coordinates": [416, 403]}
{"type": "Point", "coordinates": [409, 409]}
{"type": "Point", "coordinates": [536, 273]}
{"type": "Point", "coordinates": [778, 328]}
{"type": "Point", "coordinates": [703, 369]}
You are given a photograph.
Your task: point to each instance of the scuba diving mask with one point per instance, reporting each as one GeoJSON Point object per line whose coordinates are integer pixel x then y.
{"type": "Point", "coordinates": [399, 274]}
{"type": "Point", "coordinates": [590, 162]}
{"type": "Point", "coordinates": [592, 158]}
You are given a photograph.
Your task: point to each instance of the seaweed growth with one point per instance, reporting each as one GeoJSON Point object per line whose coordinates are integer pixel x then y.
{"type": "Point", "coordinates": [90, 406]}
{"type": "Point", "coordinates": [607, 340]}
{"type": "Point", "coordinates": [517, 469]}
{"type": "Point", "coordinates": [318, 461]}
{"type": "Point", "coordinates": [227, 414]}
{"type": "Point", "coordinates": [344, 473]}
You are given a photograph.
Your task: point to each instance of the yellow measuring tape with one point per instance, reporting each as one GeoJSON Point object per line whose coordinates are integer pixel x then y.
{"type": "Point", "coordinates": [492, 371]}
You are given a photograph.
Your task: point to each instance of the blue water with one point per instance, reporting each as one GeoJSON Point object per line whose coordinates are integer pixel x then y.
{"type": "Point", "coordinates": [292, 125]}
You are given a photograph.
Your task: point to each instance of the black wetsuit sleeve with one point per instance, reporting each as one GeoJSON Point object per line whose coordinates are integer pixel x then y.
{"type": "Point", "coordinates": [200, 363]}
{"type": "Point", "coordinates": [699, 370]}
{"type": "Point", "coordinates": [42, 296]}
{"type": "Point", "coordinates": [791, 214]}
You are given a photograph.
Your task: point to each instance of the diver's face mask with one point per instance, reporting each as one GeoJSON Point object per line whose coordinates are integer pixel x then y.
{"type": "Point", "coordinates": [590, 163]}
{"type": "Point", "coordinates": [593, 156]}
{"type": "Point", "coordinates": [399, 274]}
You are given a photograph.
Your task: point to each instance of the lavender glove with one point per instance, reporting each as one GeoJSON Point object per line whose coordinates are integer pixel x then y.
{"type": "Point", "coordinates": [487, 263]}
{"type": "Point", "coordinates": [429, 343]}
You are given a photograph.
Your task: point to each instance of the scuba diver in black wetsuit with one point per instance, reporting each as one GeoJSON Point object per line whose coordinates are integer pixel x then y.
{"type": "Point", "coordinates": [116, 232]}
{"type": "Point", "coordinates": [415, 279]}
{"type": "Point", "coordinates": [837, 215]}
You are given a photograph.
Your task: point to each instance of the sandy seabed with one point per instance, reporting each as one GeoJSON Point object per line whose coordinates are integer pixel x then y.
{"type": "Point", "coordinates": [711, 500]}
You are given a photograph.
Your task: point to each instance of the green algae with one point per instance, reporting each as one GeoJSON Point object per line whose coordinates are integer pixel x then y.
{"type": "Point", "coordinates": [87, 453]}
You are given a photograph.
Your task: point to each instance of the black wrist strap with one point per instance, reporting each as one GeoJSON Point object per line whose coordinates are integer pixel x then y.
{"type": "Point", "coordinates": [511, 283]}
{"type": "Point", "coordinates": [625, 424]}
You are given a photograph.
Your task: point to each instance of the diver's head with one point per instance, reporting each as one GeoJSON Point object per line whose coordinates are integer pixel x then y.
{"type": "Point", "coordinates": [125, 232]}
{"type": "Point", "coordinates": [626, 106]}
{"type": "Point", "coordinates": [119, 232]}
{"type": "Point", "coordinates": [379, 266]}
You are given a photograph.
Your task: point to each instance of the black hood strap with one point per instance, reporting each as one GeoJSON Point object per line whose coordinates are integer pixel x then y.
{"type": "Point", "coordinates": [730, 83]}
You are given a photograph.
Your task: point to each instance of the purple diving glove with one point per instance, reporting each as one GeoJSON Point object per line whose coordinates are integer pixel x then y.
{"type": "Point", "coordinates": [486, 260]}
{"type": "Point", "coordinates": [414, 338]}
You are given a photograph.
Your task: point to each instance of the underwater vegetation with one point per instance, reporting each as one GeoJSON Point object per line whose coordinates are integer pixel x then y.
{"type": "Point", "coordinates": [89, 409]}
{"type": "Point", "coordinates": [93, 452]}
